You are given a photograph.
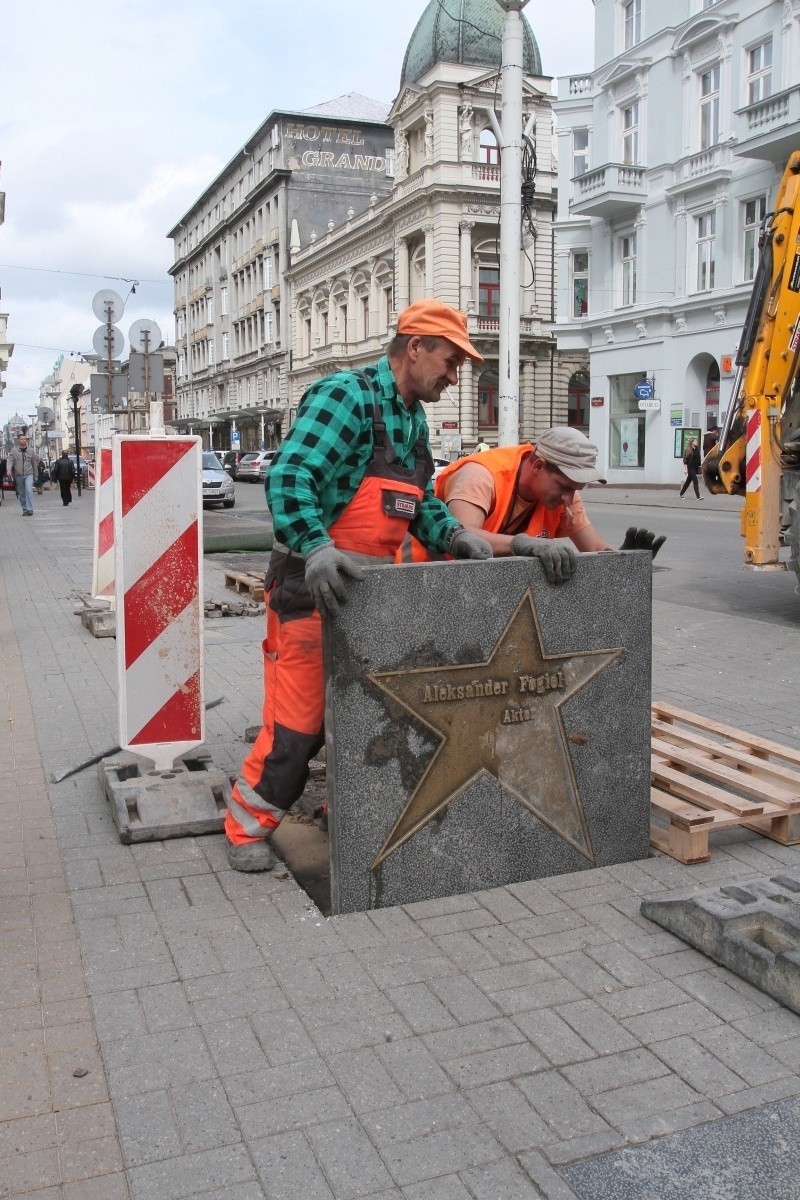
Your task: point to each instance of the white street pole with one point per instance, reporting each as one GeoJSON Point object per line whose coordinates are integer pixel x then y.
{"type": "Point", "coordinates": [510, 222]}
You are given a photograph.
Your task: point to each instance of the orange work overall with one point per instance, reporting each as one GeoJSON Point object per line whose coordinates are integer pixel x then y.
{"type": "Point", "coordinates": [371, 526]}
{"type": "Point", "coordinates": [504, 463]}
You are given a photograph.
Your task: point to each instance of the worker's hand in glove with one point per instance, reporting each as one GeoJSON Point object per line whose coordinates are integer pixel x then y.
{"type": "Point", "coordinates": [325, 570]}
{"type": "Point", "coordinates": [466, 544]}
{"type": "Point", "coordinates": [642, 539]}
{"type": "Point", "coordinates": [557, 558]}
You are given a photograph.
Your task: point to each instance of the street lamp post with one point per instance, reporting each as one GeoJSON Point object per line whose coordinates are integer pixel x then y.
{"type": "Point", "coordinates": [76, 391]}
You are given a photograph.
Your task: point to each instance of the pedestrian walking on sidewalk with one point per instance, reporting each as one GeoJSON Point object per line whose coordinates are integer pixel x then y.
{"type": "Point", "coordinates": [22, 466]}
{"type": "Point", "coordinates": [691, 462]}
{"type": "Point", "coordinates": [352, 475]}
{"type": "Point", "coordinates": [64, 476]}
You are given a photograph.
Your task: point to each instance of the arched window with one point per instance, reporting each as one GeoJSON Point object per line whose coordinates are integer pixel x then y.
{"type": "Point", "coordinates": [489, 151]}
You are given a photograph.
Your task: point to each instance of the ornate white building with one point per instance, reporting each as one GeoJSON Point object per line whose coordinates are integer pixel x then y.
{"type": "Point", "coordinates": [298, 256]}
{"type": "Point", "coordinates": [437, 234]}
{"type": "Point", "coordinates": [669, 156]}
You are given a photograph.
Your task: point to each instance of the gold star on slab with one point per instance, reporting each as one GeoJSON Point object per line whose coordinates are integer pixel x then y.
{"type": "Point", "coordinates": [500, 718]}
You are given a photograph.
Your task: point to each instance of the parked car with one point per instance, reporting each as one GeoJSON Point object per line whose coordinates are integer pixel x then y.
{"type": "Point", "coordinates": [217, 484]}
{"type": "Point", "coordinates": [230, 462]}
{"type": "Point", "coordinates": [254, 466]}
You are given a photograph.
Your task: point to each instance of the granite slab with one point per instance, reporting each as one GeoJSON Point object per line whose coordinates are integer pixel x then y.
{"type": "Point", "coordinates": [485, 727]}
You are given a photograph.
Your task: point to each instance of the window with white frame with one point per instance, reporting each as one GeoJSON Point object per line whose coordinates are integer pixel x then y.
{"type": "Point", "coordinates": [580, 152]}
{"type": "Point", "coordinates": [267, 274]}
{"type": "Point", "coordinates": [580, 283]}
{"type": "Point", "coordinates": [181, 365]}
{"type": "Point", "coordinates": [210, 311]}
{"type": "Point", "coordinates": [226, 347]}
{"type": "Point", "coordinates": [759, 72]}
{"type": "Point", "coordinates": [753, 213]}
{"type": "Point", "coordinates": [388, 155]}
{"type": "Point", "coordinates": [627, 256]}
{"type": "Point", "coordinates": [709, 107]}
{"type": "Point", "coordinates": [632, 23]}
{"type": "Point", "coordinates": [630, 134]}
{"type": "Point", "coordinates": [223, 301]}
{"type": "Point", "coordinates": [706, 226]}
{"type": "Point", "coordinates": [181, 326]}
{"type": "Point", "coordinates": [269, 327]}
{"type": "Point", "coordinates": [212, 352]}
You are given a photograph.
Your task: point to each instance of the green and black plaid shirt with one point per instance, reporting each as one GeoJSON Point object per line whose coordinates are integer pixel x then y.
{"type": "Point", "coordinates": [322, 461]}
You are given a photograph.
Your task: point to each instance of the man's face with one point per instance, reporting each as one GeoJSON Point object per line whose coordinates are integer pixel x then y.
{"type": "Point", "coordinates": [542, 483]}
{"type": "Point", "coordinates": [431, 371]}
{"type": "Point", "coordinates": [23, 443]}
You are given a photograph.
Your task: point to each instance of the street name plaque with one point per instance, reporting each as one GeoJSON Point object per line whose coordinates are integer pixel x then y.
{"type": "Point", "coordinates": [484, 727]}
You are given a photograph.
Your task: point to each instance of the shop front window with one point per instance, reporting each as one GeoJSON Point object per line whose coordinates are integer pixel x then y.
{"type": "Point", "coordinates": [627, 431]}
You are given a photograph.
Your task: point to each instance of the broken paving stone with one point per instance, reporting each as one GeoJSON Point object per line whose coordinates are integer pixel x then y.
{"type": "Point", "coordinates": [232, 608]}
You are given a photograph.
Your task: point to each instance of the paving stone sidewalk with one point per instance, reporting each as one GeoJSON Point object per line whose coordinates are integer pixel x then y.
{"type": "Point", "coordinates": [172, 1029]}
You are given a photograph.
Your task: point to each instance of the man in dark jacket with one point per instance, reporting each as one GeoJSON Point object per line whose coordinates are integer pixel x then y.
{"type": "Point", "coordinates": [63, 475]}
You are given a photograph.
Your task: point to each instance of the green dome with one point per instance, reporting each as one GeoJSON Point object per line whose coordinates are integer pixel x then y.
{"type": "Point", "coordinates": [463, 31]}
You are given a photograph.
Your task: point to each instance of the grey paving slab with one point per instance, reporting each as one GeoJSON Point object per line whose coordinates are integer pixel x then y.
{"type": "Point", "coordinates": [750, 1155]}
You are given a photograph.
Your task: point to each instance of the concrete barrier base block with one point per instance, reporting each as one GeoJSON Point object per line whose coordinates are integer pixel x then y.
{"type": "Point", "coordinates": [100, 622]}
{"type": "Point", "coordinates": [751, 928]}
{"type": "Point", "coordinates": [149, 805]}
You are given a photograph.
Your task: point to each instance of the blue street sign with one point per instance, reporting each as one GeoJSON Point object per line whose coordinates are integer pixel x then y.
{"type": "Point", "coordinates": [644, 390]}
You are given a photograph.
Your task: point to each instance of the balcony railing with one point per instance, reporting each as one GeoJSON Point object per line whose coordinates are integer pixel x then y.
{"type": "Point", "coordinates": [610, 191]}
{"type": "Point", "coordinates": [768, 129]}
{"type": "Point", "coordinates": [487, 172]}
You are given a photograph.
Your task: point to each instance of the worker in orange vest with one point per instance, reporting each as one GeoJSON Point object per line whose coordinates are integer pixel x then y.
{"type": "Point", "coordinates": [524, 500]}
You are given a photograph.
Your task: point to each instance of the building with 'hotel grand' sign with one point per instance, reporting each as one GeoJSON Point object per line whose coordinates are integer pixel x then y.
{"type": "Point", "coordinates": [298, 257]}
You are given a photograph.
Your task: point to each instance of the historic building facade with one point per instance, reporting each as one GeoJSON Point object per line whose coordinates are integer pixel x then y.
{"type": "Point", "coordinates": [297, 259]}
{"type": "Point", "coordinates": [669, 156]}
{"type": "Point", "coordinates": [438, 233]}
{"type": "Point", "coordinates": [298, 175]}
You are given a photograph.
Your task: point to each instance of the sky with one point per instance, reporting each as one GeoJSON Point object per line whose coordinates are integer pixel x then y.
{"type": "Point", "coordinates": [115, 116]}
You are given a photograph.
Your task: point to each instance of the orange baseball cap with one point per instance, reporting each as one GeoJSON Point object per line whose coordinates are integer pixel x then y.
{"type": "Point", "coordinates": [432, 318]}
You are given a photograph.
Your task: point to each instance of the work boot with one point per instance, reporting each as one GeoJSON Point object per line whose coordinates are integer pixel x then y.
{"type": "Point", "coordinates": [251, 856]}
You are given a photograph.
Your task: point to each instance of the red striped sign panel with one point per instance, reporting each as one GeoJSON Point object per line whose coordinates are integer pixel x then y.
{"type": "Point", "coordinates": [158, 518]}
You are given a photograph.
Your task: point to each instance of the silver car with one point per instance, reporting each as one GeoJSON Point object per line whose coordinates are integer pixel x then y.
{"type": "Point", "coordinates": [217, 484]}
{"type": "Point", "coordinates": [254, 466]}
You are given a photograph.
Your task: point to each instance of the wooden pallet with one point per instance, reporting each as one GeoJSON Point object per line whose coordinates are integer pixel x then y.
{"type": "Point", "coordinates": [706, 775]}
{"type": "Point", "coordinates": [246, 581]}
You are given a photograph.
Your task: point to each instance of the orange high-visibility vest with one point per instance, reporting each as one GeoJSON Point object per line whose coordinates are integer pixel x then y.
{"type": "Point", "coordinates": [504, 463]}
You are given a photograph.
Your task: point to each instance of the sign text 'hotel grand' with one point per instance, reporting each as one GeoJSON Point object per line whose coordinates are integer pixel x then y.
{"type": "Point", "coordinates": [337, 159]}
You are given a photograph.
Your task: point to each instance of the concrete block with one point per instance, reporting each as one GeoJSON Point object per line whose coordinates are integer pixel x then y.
{"type": "Point", "coordinates": [751, 927]}
{"type": "Point", "coordinates": [149, 805]}
{"type": "Point", "coordinates": [485, 728]}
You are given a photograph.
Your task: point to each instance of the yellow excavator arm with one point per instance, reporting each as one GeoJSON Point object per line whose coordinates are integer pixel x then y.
{"type": "Point", "coordinates": [758, 452]}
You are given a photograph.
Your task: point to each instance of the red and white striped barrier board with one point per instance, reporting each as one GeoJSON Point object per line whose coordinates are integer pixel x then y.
{"type": "Point", "coordinates": [90, 475]}
{"type": "Point", "coordinates": [753, 453]}
{"type": "Point", "coordinates": [103, 560]}
{"type": "Point", "coordinates": [158, 522]}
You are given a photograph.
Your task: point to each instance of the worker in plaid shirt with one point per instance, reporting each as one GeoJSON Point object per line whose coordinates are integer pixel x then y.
{"type": "Point", "coordinates": [351, 478]}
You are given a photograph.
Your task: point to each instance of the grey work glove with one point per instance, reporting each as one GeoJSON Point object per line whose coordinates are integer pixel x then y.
{"type": "Point", "coordinates": [642, 539]}
{"type": "Point", "coordinates": [466, 544]}
{"type": "Point", "coordinates": [325, 570]}
{"type": "Point", "coordinates": [557, 558]}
